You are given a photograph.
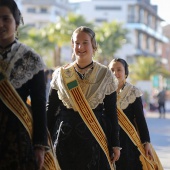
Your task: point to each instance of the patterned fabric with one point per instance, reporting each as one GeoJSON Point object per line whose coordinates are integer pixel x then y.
{"type": "Point", "coordinates": [25, 70]}
{"type": "Point", "coordinates": [76, 147]}
{"type": "Point", "coordinates": [73, 136]}
{"type": "Point", "coordinates": [129, 100]}
{"type": "Point", "coordinates": [98, 83]}
{"type": "Point", "coordinates": [128, 95]}
{"type": "Point", "coordinates": [16, 151]}
{"type": "Point", "coordinates": [20, 64]}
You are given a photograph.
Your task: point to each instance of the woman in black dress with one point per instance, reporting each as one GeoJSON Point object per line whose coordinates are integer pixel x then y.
{"type": "Point", "coordinates": [25, 71]}
{"type": "Point", "coordinates": [129, 100]}
{"type": "Point", "coordinates": [76, 147]}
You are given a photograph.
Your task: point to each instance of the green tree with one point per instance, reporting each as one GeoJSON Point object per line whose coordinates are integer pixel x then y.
{"type": "Point", "coordinates": [110, 37]}
{"type": "Point", "coordinates": [145, 67]}
{"type": "Point", "coordinates": [49, 40]}
{"type": "Point", "coordinates": [60, 33]}
{"type": "Point", "coordinates": [32, 37]}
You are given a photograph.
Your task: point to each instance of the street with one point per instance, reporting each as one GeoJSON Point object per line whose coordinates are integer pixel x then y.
{"type": "Point", "coordinates": [160, 136]}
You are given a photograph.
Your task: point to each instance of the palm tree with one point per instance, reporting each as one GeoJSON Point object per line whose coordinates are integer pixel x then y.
{"type": "Point", "coordinates": [146, 67]}
{"type": "Point", "coordinates": [49, 40]}
{"type": "Point", "coordinates": [60, 33]}
{"type": "Point", "coordinates": [110, 37]}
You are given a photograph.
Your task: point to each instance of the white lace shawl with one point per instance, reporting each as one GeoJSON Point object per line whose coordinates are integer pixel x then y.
{"type": "Point", "coordinates": [99, 82]}
{"type": "Point", "coordinates": [21, 64]}
{"type": "Point", "coordinates": [128, 95]}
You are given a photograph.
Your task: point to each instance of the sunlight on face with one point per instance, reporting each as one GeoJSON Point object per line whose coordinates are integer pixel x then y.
{"type": "Point", "coordinates": [119, 71]}
{"type": "Point", "coordinates": [82, 46]}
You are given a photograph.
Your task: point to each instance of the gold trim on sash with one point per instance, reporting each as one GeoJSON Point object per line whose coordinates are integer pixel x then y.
{"type": "Point", "coordinates": [82, 106]}
{"type": "Point", "coordinates": [13, 101]}
{"type": "Point", "coordinates": [147, 162]}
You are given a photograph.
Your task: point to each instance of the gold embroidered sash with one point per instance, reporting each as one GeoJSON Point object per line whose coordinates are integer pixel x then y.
{"type": "Point", "coordinates": [13, 101]}
{"type": "Point", "coordinates": [147, 162]}
{"type": "Point", "coordinates": [81, 105]}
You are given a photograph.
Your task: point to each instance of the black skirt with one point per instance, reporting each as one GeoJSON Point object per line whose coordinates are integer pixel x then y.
{"type": "Point", "coordinates": [76, 148]}
{"type": "Point", "coordinates": [16, 151]}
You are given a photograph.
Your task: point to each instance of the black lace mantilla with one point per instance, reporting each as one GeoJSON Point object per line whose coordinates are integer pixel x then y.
{"type": "Point", "coordinates": [22, 64]}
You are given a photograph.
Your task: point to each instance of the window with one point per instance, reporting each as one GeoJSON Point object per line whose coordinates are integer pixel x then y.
{"type": "Point", "coordinates": [131, 14]}
{"type": "Point", "coordinates": [141, 15]}
{"type": "Point", "coordinates": [156, 46]}
{"type": "Point", "coordinates": [139, 40]}
{"type": "Point", "coordinates": [43, 10]}
{"type": "Point", "coordinates": [149, 20]}
{"type": "Point", "coordinates": [148, 43]}
{"type": "Point", "coordinates": [100, 20]}
{"type": "Point", "coordinates": [31, 10]}
{"type": "Point", "coordinates": [108, 7]}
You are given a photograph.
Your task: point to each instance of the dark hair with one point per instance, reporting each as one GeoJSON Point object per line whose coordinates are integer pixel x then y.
{"type": "Point", "coordinates": [90, 32]}
{"type": "Point", "coordinates": [11, 4]}
{"type": "Point", "coordinates": [124, 63]}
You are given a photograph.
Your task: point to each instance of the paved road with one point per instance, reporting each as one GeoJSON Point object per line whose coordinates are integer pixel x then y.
{"type": "Point", "coordinates": [160, 136]}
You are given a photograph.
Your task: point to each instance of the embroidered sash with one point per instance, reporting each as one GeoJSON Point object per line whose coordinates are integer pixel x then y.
{"type": "Point", "coordinates": [80, 104]}
{"type": "Point", "coordinates": [127, 126]}
{"type": "Point", "coordinates": [13, 101]}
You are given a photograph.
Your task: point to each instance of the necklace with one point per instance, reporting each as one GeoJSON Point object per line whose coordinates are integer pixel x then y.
{"type": "Point", "coordinates": [5, 50]}
{"type": "Point", "coordinates": [85, 66]}
{"type": "Point", "coordinates": [121, 88]}
{"type": "Point", "coordinates": [81, 75]}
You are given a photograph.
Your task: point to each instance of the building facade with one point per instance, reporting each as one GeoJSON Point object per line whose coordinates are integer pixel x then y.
{"type": "Point", "coordinates": [40, 12]}
{"type": "Point", "coordinates": [166, 48]}
{"type": "Point", "coordinates": [138, 16]}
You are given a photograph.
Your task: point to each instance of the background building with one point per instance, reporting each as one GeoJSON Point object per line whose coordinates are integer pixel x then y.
{"type": "Point", "coordinates": [40, 12]}
{"type": "Point", "coordinates": [166, 48]}
{"type": "Point", "coordinates": [138, 16]}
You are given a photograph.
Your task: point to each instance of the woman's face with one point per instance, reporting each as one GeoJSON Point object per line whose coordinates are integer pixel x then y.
{"type": "Point", "coordinates": [82, 46]}
{"type": "Point", "coordinates": [7, 26]}
{"type": "Point", "coordinates": [119, 71]}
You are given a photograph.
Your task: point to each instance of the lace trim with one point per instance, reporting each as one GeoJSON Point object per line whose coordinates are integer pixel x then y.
{"type": "Point", "coordinates": [99, 82]}
{"type": "Point", "coordinates": [23, 64]}
{"type": "Point", "coordinates": [128, 95]}
{"type": "Point", "coordinates": [108, 86]}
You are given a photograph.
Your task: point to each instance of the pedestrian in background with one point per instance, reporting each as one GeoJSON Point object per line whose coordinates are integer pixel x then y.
{"type": "Point", "coordinates": [161, 103]}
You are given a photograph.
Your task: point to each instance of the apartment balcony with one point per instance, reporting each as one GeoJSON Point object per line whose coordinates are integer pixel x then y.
{"type": "Point", "coordinates": [144, 28]}
{"type": "Point", "coordinates": [140, 52]}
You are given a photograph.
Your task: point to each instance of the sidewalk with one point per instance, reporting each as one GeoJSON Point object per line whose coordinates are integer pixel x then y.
{"type": "Point", "coordinates": [159, 129]}
{"type": "Point", "coordinates": [155, 114]}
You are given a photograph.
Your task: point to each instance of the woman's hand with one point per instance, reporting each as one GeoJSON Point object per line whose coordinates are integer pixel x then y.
{"type": "Point", "coordinates": [39, 155]}
{"type": "Point", "coordinates": [148, 150]}
{"type": "Point", "coordinates": [116, 154]}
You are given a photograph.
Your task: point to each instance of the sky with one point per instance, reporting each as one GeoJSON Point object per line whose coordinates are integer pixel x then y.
{"type": "Point", "coordinates": [163, 9]}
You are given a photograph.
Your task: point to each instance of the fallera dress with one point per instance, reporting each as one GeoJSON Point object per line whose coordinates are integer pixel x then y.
{"type": "Point", "coordinates": [76, 147]}
{"type": "Point", "coordinates": [24, 69]}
